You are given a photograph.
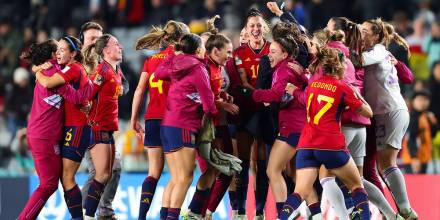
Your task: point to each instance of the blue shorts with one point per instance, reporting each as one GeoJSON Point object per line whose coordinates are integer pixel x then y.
{"type": "Point", "coordinates": [232, 130]}
{"type": "Point", "coordinates": [175, 138]}
{"type": "Point", "coordinates": [102, 137]}
{"type": "Point", "coordinates": [315, 158]}
{"type": "Point", "coordinates": [292, 139]}
{"type": "Point", "coordinates": [76, 140]}
{"type": "Point", "coordinates": [152, 133]}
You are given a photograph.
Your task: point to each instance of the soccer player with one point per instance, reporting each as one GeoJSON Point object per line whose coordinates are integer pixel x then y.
{"type": "Point", "coordinates": [218, 52]}
{"type": "Point", "coordinates": [321, 141]}
{"type": "Point", "coordinates": [104, 116]}
{"type": "Point", "coordinates": [89, 33]}
{"type": "Point", "coordinates": [189, 92]}
{"type": "Point", "coordinates": [46, 124]}
{"type": "Point", "coordinates": [292, 115]}
{"type": "Point", "coordinates": [77, 132]}
{"type": "Point", "coordinates": [354, 125]}
{"type": "Point", "coordinates": [164, 39]}
{"type": "Point", "coordinates": [247, 58]}
{"type": "Point", "coordinates": [391, 117]}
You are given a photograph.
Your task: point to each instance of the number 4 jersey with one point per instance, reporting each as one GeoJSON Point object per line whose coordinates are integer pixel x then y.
{"type": "Point", "coordinates": [158, 89]}
{"type": "Point", "coordinates": [327, 98]}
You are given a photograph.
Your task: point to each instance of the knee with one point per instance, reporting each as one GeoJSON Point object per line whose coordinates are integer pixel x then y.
{"type": "Point", "coordinates": [155, 172]}
{"type": "Point", "coordinates": [185, 178]}
{"type": "Point", "coordinates": [49, 187]}
{"type": "Point", "coordinates": [272, 172]}
{"type": "Point", "coordinates": [68, 178]}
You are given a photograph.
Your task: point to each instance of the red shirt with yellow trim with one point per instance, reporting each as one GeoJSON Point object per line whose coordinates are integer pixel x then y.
{"type": "Point", "coordinates": [74, 74]}
{"type": "Point", "coordinates": [327, 98]}
{"type": "Point", "coordinates": [248, 59]}
{"type": "Point", "coordinates": [157, 88]}
{"type": "Point", "coordinates": [107, 89]}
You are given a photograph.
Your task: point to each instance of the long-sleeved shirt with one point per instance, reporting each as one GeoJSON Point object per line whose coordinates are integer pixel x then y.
{"type": "Point", "coordinates": [46, 116]}
{"type": "Point", "coordinates": [382, 90]}
{"type": "Point", "coordinates": [292, 117]}
{"type": "Point", "coordinates": [190, 89]}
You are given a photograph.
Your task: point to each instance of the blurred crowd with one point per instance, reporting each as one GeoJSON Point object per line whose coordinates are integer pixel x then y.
{"type": "Point", "coordinates": [23, 22]}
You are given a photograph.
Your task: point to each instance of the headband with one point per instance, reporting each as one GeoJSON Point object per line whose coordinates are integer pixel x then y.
{"type": "Point", "coordinates": [71, 43]}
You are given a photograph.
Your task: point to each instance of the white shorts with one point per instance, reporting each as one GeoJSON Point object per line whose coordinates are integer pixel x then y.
{"type": "Point", "coordinates": [390, 129]}
{"type": "Point", "coordinates": [355, 139]}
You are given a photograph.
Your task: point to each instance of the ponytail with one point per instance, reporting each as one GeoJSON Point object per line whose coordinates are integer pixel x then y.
{"type": "Point", "coordinates": [331, 60]}
{"type": "Point", "coordinates": [215, 40]}
{"type": "Point", "coordinates": [162, 37]}
{"type": "Point", "coordinates": [392, 35]}
{"type": "Point", "coordinates": [353, 38]}
{"type": "Point", "coordinates": [151, 41]}
{"type": "Point", "coordinates": [210, 24]}
{"type": "Point", "coordinates": [90, 58]}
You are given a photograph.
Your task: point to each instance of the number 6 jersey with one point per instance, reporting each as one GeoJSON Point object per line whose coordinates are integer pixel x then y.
{"type": "Point", "coordinates": [326, 99]}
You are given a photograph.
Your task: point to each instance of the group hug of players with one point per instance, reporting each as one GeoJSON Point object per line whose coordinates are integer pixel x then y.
{"type": "Point", "coordinates": [312, 100]}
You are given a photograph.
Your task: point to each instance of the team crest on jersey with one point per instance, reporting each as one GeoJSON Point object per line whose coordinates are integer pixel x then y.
{"type": "Point", "coordinates": [54, 100]}
{"type": "Point", "coordinates": [194, 97]}
{"type": "Point", "coordinates": [257, 59]}
{"type": "Point", "coordinates": [238, 61]}
{"type": "Point", "coordinates": [98, 80]}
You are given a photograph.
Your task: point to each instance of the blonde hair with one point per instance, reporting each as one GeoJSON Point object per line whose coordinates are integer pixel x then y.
{"type": "Point", "coordinates": [392, 35]}
{"type": "Point", "coordinates": [159, 37]}
{"type": "Point", "coordinates": [331, 60]}
{"type": "Point", "coordinates": [215, 39]}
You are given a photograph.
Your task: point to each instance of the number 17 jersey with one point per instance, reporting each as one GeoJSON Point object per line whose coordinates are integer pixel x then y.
{"type": "Point", "coordinates": [327, 98]}
{"type": "Point", "coordinates": [158, 89]}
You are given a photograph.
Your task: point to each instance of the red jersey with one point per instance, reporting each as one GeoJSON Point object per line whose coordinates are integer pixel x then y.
{"type": "Point", "coordinates": [157, 88]}
{"type": "Point", "coordinates": [76, 76]}
{"type": "Point", "coordinates": [327, 98]}
{"type": "Point", "coordinates": [216, 78]}
{"type": "Point", "coordinates": [248, 59]}
{"type": "Point", "coordinates": [107, 89]}
{"type": "Point", "coordinates": [216, 81]}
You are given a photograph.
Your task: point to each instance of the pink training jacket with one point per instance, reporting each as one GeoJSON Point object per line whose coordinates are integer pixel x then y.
{"type": "Point", "coordinates": [292, 117]}
{"type": "Point", "coordinates": [46, 116]}
{"type": "Point", "coordinates": [190, 90]}
{"type": "Point", "coordinates": [353, 77]}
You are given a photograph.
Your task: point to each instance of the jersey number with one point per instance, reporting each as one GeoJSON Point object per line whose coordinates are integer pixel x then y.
{"type": "Point", "coordinates": [68, 137]}
{"type": "Point", "coordinates": [157, 84]}
{"type": "Point", "coordinates": [328, 104]}
{"type": "Point", "coordinates": [254, 69]}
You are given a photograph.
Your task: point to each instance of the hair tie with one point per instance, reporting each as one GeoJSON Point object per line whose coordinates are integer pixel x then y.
{"type": "Point", "coordinates": [340, 55]}
{"type": "Point", "coordinates": [75, 48]}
